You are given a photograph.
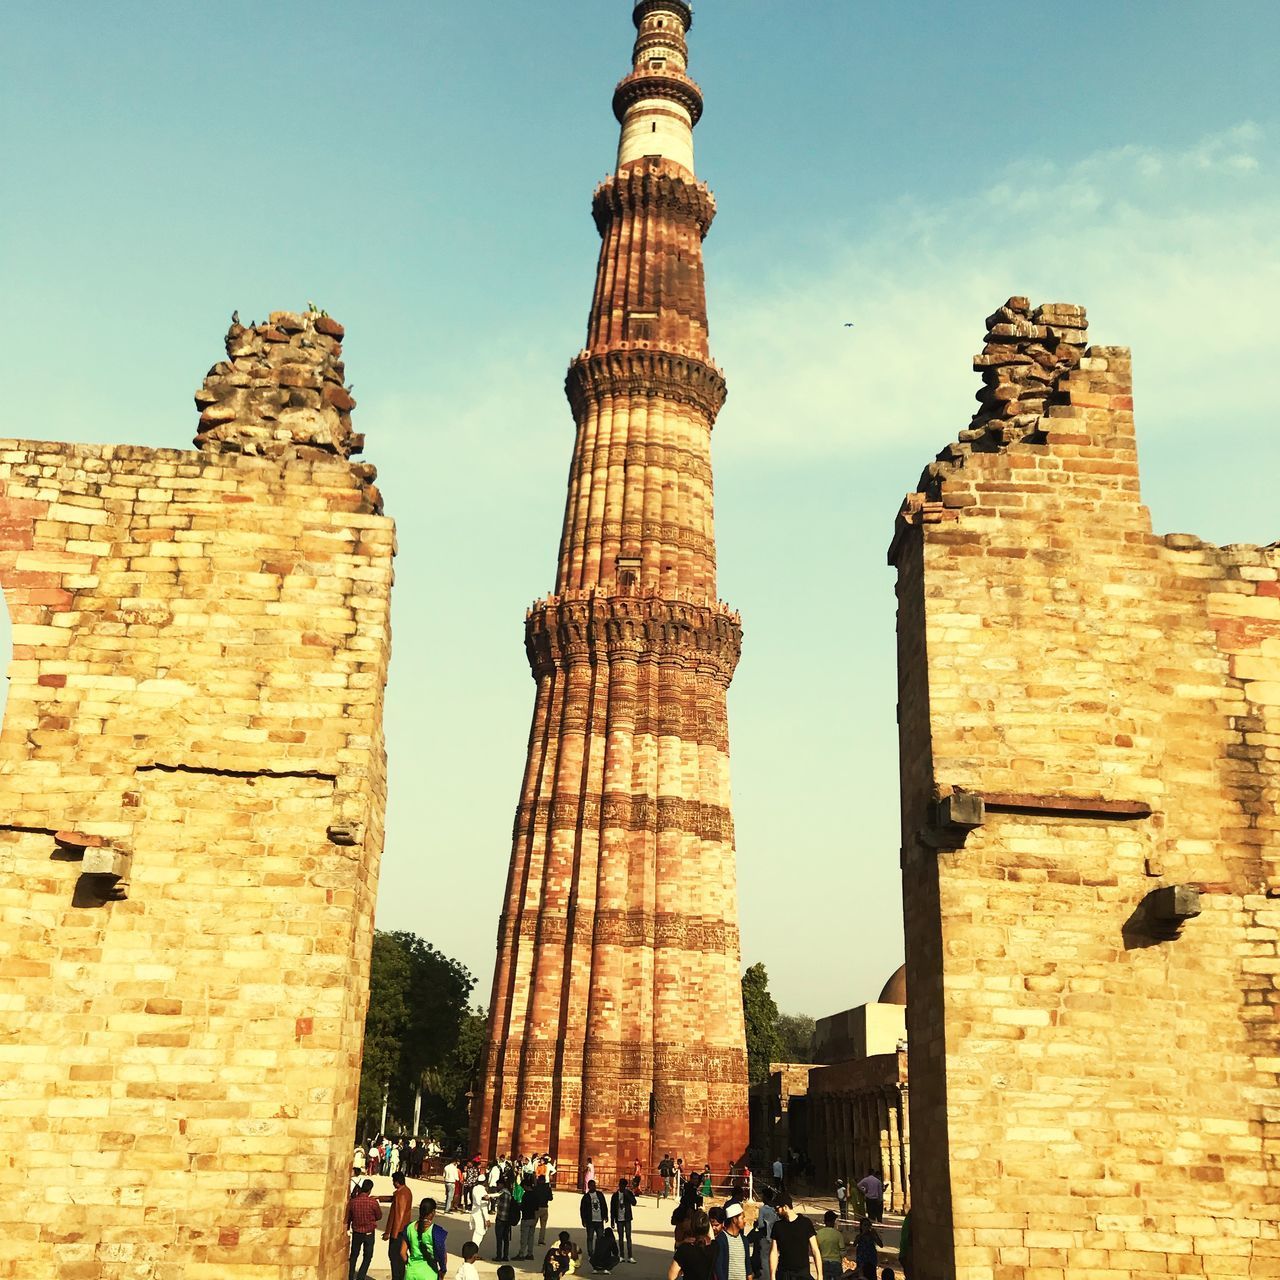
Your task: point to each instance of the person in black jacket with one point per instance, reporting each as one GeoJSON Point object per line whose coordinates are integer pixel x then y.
{"type": "Point", "coordinates": [604, 1257]}
{"type": "Point", "coordinates": [529, 1204]}
{"type": "Point", "coordinates": [595, 1215]}
{"type": "Point", "coordinates": [621, 1206]}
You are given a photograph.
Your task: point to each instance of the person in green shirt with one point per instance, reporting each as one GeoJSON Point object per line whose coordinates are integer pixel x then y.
{"type": "Point", "coordinates": [830, 1246]}
{"type": "Point", "coordinates": [906, 1255]}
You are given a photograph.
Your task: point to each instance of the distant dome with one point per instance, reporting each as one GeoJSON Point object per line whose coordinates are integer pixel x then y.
{"type": "Point", "coordinates": [895, 990]}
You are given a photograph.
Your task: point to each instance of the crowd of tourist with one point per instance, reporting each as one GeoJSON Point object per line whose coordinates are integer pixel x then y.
{"type": "Point", "coordinates": [385, 1156]}
{"type": "Point", "coordinates": [738, 1238]}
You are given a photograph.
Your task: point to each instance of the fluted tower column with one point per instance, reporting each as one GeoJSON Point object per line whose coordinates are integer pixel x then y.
{"type": "Point", "coordinates": [616, 995]}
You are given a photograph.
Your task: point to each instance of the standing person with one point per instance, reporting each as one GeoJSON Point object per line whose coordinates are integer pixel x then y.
{"type": "Point", "coordinates": [621, 1205]}
{"type": "Point", "coordinates": [505, 1213]}
{"type": "Point", "coordinates": [873, 1189]}
{"type": "Point", "coordinates": [470, 1252]}
{"type": "Point", "coordinates": [636, 1173]}
{"type": "Point", "coordinates": [530, 1202]}
{"type": "Point", "coordinates": [667, 1172]}
{"type": "Point", "coordinates": [842, 1199]}
{"type": "Point", "coordinates": [794, 1244]}
{"type": "Point", "coordinates": [424, 1241]}
{"type": "Point", "coordinates": [729, 1253]}
{"type": "Point", "coordinates": [693, 1258]}
{"type": "Point", "coordinates": [778, 1170]}
{"type": "Point", "coordinates": [478, 1199]}
{"type": "Point", "coordinates": [542, 1189]}
{"type": "Point", "coordinates": [831, 1246]}
{"type": "Point", "coordinates": [866, 1245]}
{"type": "Point", "coordinates": [398, 1216]}
{"type": "Point", "coordinates": [588, 1177]}
{"type": "Point", "coordinates": [594, 1213]}
{"type": "Point", "coordinates": [767, 1217]}
{"type": "Point", "coordinates": [705, 1188]}
{"type": "Point", "coordinates": [393, 1159]}
{"type": "Point", "coordinates": [450, 1183]}
{"type": "Point", "coordinates": [363, 1212]}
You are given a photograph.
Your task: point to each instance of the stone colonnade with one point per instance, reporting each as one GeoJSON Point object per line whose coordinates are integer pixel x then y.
{"type": "Point", "coordinates": [861, 1124]}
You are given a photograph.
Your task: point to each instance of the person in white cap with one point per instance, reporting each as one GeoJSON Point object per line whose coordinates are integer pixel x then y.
{"type": "Point", "coordinates": [730, 1259]}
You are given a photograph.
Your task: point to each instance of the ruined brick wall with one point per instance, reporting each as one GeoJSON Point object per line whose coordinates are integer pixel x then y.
{"type": "Point", "coordinates": [191, 791]}
{"type": "Point", "coordinates": [1088, 713]}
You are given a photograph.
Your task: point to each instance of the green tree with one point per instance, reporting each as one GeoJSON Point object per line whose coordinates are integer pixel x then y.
{"type": "Point", "coordinates": [795, 1033]}
{"type": "Point", "coordinates": [418, 1004]}
{"type": "Point", "coordinates": [389, 983]}
{"type": "Point", "coordinates": [761, 1015]}
{"type": "Point", "coordinates": [445, 1089]}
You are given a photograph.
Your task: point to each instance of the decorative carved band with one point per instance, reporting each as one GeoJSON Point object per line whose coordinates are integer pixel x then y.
{"type": "Point", "coordinates": [630, 928]}
{"type": "Point", "coordinates": [621, 810]}
{"type": "Point", "coordinates": [644, 373]}
{"type": "Point", "coordinates": [561, 633]}
{"type": "Point", "coordinates": [652, 185]}
{"type": "Point", "coordinates": [674, 85]}
{"type": "Point", "coordinates": [674, 1061]}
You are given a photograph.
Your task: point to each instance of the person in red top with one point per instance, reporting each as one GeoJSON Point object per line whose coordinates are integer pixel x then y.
{"type": "Point", "coordinates": [363, 1215]}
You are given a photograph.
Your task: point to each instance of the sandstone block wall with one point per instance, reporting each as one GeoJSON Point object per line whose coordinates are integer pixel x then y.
{"type": "Point", "coordinates": [191, 794]}
{"type": "Point", "coordinates": [1089, 712]}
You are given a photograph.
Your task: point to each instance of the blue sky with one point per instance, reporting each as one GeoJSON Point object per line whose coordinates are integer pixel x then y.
{"type": "Point", "coordinates": [424, 170]}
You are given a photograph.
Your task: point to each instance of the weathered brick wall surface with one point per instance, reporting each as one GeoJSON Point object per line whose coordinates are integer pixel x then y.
{"type": "Point", "coordinates": [191, 792]}
{"type": "Point", "coordinates": [1093, 1089]}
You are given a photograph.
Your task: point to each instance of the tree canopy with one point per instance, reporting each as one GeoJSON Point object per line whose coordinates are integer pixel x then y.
{"type": "Point", "coordinates": [795, 1035]}
{"type": "Point", "coordinates": [761, 1014]}
{"type": "Point", "coordinates": [420, 1034]}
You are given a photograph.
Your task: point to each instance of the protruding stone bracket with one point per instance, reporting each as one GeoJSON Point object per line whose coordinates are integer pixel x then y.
{"type": "Point", "coordinates": [1160, 916]}
{"type": "Point", "coordinates": [1174, 904]}
{"type": "Point", "coordinates": [954, 816]}
{"type": "Point", "coordinates": [104, 870]}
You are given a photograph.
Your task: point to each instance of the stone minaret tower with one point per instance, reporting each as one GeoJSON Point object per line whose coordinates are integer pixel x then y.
{"type": "Point", "coordinates": [616, 1027]}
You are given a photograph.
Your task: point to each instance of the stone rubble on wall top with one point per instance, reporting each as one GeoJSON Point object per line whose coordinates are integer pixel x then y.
{"type": "Point", "coordinates": [282, 390]}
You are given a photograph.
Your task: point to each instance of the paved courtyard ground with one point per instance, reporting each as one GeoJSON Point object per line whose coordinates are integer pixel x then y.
{"type": "Point", "coordinates": [651, 1233]}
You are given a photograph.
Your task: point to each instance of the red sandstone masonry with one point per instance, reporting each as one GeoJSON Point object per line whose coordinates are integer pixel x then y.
{"type": "Point", "coordinates": [1091, 1096]}
{"type": "Point", "coordinates": [617, 977]}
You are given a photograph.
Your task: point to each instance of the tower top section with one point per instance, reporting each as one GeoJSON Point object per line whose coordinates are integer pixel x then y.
{"type": "Point", "coordinates": [645, 7]}
{"type": "Point", "coordinates": [658, 104]}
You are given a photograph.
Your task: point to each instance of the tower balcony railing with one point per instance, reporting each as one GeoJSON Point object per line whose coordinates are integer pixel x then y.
{"type": "Point", "coordinates": [637, 591]}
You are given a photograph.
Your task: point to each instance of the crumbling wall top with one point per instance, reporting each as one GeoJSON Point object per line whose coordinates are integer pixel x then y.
{"type": "Point", "coordinates": [281, 390]}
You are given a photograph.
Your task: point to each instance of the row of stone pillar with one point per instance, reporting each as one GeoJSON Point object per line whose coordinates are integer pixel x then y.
{"type": "Point", "coordinates": [867, 1131]}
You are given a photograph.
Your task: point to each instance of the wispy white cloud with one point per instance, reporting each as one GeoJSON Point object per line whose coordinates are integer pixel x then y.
{"type": "Point", "coordinates": [1174, 253]}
